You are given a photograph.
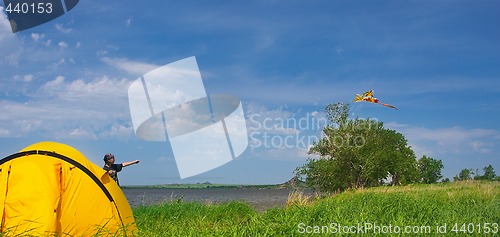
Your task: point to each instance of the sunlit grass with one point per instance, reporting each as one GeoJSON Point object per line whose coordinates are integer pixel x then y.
{"type": "Point", "coordinates": [299, 198]}
{"type": "Point", "coordinates": [178, 218]}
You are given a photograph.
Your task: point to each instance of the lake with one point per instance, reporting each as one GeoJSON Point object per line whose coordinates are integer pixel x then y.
{"type": "Point", "coordinates": [260, 199]}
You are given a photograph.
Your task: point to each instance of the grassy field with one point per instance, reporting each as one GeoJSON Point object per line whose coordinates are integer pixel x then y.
{"type": "Point", "coordinates": [454, 209]}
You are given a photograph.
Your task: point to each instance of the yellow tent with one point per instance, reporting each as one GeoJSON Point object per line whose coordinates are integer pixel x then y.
{"type": "Point", "coordinates": [51, 189]}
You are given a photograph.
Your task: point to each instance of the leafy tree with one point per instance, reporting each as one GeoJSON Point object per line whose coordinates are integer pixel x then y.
{"type": "Point", "coordinates": [398, 157]}
{"type": "Point", "coordinates": [320, 174]}
{"type": "Point", "coordinates": [446, 180]}
{"type": "Point", "coordinates": [355, 153]}
{"type": "Point", "coordinates": [465, 174]}
{"type": "Point", "coordinates": [489, 174]}
{"type": "Point", "coordinates": [429, 169]}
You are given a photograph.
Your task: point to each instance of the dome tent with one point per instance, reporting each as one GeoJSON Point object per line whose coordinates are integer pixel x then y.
{"type": "Point", "coordinates": [50, 188]}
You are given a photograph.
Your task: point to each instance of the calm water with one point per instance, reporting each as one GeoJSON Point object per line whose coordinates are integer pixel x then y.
{"type": "Point", "coordinates": [260, 199]}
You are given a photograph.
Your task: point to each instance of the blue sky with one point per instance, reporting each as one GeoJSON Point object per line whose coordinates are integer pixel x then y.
{"type": "Point", "coordinates": [437, 61]}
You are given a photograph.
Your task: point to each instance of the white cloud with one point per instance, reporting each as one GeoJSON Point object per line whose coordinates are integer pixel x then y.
{"type": "Point", "coordinates": [272, 121]}
{"type": "Point", "coordinates": [40, 38]}
{"type": "Point", "coordinates": [62, 45]}
{"type": "Point", "coordinates": [119, 131]}
{"type": "Point", "coordinates": [5, 28]}
{"type": "Point", "coordinates": [10, 49]}
{"type": "Point", "coordinates": [62, 108]}
{"type": "Point", "coordinates": [55, 65]}
{"type": "Point", "coordinates": [452, 139]}
{"type": "Point", "coordinates": [100, 88]}
{"type": "Point", "coordinates": [47, 43]}
{"type": "Point", "coordinates": [132, 67]}
{"type": "Point", "coordinates": [26, 78]}
{"type": "Point", "coordinates": [128, 22]}
{"type": "Point", "coordinates": [101, 53]}
{"type": "Point", "coordinates": [59, 80]}
{"type": "Point", "coordinates": [28, 125]}
{"type": "Point", "coordinates": [81, 133]}
{"type": "Point", "coordinates": [482, 147]}
{"type": "Point", "coordinates": [421, 150]}
{"type": "Point", "coordinates": [36, 36]}
{"type": "Point", "coordinates": [457, 147]}
{"type": "Point", "coordinates": [283, 121]}
{"type": "Point", "coordinates": [4, 132]}
{"type": "Point", "coordinates": [12, 58]}
{"type": "Point", "coordinates": [339, 52]}
{"type": "Point", "coordinates": [63, 29]}
{"type": "Point", "coordinates": [282, 133]}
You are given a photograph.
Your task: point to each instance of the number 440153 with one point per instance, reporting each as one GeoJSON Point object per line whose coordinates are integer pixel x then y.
{"type": "Point", "coordinates": [475, 228]}
{"type": "Point", "coordinates": [27, 8]}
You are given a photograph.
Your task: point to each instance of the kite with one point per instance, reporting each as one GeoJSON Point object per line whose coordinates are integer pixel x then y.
{"type": "Point", "coordinates": [368, 97]}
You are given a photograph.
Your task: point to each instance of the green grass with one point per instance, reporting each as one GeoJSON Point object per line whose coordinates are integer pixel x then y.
{"type": "Point", "coordinates": [420, 207]}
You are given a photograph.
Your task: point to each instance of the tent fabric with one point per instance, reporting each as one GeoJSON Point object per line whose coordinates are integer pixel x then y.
{"type": "Point", "coordinates": [51, 189]}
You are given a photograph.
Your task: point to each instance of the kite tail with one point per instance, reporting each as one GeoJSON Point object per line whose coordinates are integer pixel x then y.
{"type": "Point", "coordinates": [388, 105]}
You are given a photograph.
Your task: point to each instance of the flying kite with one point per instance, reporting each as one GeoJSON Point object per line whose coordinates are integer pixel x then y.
{"type": "Point", "coordinates": [368, 97]}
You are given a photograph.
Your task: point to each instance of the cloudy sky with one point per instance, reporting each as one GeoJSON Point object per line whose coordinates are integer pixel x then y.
{"type": "Point", "coordinates": [437, 61]}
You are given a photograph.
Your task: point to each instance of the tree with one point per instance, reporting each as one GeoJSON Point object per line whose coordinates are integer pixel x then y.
{"type": "Point", "coordinates": [446, 180]}
{"type": "Point", "coordinates": [429, 169]}
{"type": "Point", "coordinates": [489, 174]}
{"type": "Point", "coordinates": [465, 174]}
{"type": "Point", "coordinates": [355, 153]}
{"type": "Point", "coordinates": [398, 157]}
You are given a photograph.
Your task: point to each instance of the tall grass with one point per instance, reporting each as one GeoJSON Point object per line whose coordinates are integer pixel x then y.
{"type": "Point", "coordinates": [421, 208]}
{"type": "Point", "coordinates": [186, 219]}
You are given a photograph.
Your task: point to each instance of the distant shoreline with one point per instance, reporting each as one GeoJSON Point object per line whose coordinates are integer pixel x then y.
{"type": "Point", "coordinates": [212, 186]}
{"type": "Point", "coordinates": [293, 183]}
